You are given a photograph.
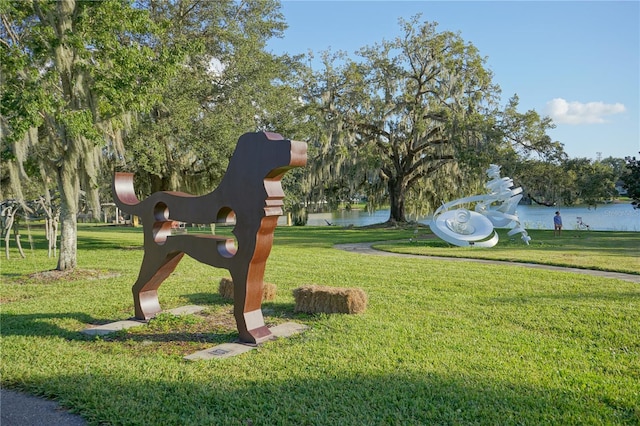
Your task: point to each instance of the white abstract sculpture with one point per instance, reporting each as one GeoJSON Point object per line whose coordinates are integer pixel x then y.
{"type": "Point", "coordinates": [462, 227]}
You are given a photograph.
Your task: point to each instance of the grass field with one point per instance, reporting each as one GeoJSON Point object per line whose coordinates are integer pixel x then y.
{"type": "Point", "coordinates": [440, 343]}
{"type": "Point", "coordinates": [605, 251]}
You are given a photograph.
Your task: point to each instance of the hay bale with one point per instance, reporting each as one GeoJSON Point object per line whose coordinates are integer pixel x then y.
{"type": "Point", "coordinates": [268, 292]}
{"type": "Point", "coordinates": [226, 290]}
{"type": "Point", "coordinates": [329, 300]}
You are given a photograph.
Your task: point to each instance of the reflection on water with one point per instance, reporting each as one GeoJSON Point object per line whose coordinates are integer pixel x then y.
{"type": "Point", "coordinates": [610, 217]}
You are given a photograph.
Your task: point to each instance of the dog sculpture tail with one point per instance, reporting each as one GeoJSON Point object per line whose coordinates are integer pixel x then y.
{"type": "Point", "coordinates": [124, 194]}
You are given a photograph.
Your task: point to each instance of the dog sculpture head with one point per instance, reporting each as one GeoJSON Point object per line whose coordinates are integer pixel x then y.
{"type": "Point", "coordinates": [267, 155]}
{"type": "Point", "coordinates": [256, 169]}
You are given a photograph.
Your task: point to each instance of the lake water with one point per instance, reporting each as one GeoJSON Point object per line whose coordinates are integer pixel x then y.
{"type": "Point", "coordinates": [609, 217]}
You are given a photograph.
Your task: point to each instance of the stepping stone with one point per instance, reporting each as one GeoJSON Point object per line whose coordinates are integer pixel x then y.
{"type": "Point", "coordinates": [112, 327]}
{"type": "Point", "coordinates": [227, 350]}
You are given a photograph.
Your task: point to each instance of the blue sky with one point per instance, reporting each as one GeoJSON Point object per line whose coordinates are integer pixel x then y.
{"type": "Point", "coordinates": [575, 61]}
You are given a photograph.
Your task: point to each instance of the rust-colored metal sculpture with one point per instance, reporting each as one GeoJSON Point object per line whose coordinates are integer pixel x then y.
{"type": "Point", "coordinates": [251, 193]}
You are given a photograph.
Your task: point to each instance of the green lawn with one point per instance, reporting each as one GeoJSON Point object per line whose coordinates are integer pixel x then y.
{"type": "Point", "coordinates": [606, 251]}
{"type": "Point", "coordinates": [440, 343]}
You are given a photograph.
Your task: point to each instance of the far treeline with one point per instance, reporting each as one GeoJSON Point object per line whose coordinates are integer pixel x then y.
{"type": "Point", "coordinates": [165, 88]}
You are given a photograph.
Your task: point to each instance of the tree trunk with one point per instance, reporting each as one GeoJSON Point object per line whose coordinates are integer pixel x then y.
{"type": "Point", "coordinates": [396, 197]}
{"type": "Point", "coordinates": [67, 168]}
{"type": "Point", "coordinates": [69, 189]}
{"type": "Point", "coordinates": [68, 242]}
{"type": "Point", "coordinates": [10, 212]}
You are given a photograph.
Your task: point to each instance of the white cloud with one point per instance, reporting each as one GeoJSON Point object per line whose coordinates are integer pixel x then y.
{"type": "Point", "coordinates": [563, 112]}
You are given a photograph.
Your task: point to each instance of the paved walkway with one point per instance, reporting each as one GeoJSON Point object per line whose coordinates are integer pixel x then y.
{"type": "Point", "coordinates": [367, 248]}
{"type": "Point", "coordinates": [20, 409]}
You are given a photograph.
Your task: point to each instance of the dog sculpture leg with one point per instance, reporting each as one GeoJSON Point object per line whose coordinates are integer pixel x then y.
{"type": "Point", "coordinates": [154, 270]}
{"type": "Point", "coordinates": [248, 282]}
{"type": "Point", "coordinates": [248, 286]}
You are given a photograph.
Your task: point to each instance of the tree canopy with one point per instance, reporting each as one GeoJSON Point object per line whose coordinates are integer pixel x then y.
{"type": "Point", "coordinates": [398, 124]}
{"type": "Point", "coordinates": [228, 85]}
{"type": "Point", "coordinates": [631, 180]}
{"type": "Point", "coordinates": [72, 72]}
{"type": "Point", "coordinates": [163, 88]}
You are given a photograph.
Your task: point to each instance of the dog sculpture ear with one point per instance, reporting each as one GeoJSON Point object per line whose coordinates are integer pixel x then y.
{"type": "Point", "coordinates": [273, 136]}
{"type": "Point", "coordinates": [298, 154]}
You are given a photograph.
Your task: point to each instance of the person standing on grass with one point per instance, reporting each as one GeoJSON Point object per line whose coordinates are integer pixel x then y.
{"type": "Point", "coordinates": [557, 224]}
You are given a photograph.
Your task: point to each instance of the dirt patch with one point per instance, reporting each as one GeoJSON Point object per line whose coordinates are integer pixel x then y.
{"type": "Point", "coordinates": [11, 299]}
{"type": "Point", "coordinates": [71, 275]}
{"type": "Point", "coordinates": [177, 335]}
{"type": "Point", "coordinates": [222, 319]}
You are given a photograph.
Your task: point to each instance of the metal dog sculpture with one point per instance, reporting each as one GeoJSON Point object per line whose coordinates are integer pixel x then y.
{"type": "Point", "coordinates": [250, 192]}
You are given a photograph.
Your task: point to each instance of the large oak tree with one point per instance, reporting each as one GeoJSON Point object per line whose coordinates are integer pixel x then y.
{"type": "Point", "coordinates": [72, 71]}
{"type": "Point", "coordinates": [394, 120]}
{"type": "Point", "coordinates": [186, 77]}
{"type": "Point", "coordinates": [414, 122]}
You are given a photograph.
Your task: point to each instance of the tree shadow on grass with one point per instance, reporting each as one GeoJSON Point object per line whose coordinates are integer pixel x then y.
{"type": "Point", "coordinates": [91, 243]}
{"type": "Point", "coordinates": [41, 324]}
{"type": "Point", "coordinates": [289, 396]}
{"type": "Point", "coordinates": [39, 242]}
{"type": "Point", "coordinates": [207, 327]}
{"type": "Point", "coordinates": [174, 334]}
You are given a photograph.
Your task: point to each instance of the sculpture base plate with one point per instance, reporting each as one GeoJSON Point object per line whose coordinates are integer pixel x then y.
{"type": "Point", "coordinates": [224, 350]}
{"type": "Point", "coordinates": [227, 350]}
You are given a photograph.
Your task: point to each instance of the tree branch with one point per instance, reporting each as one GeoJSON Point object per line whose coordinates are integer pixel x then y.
{"type": "Point", "coordinates": [415, 176]}
{"type": "Point", "coordinates": [7, 26]}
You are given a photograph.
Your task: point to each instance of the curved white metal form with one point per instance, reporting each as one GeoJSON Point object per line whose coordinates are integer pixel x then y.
{"type": "Point", "coordinates": [463, 227]}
